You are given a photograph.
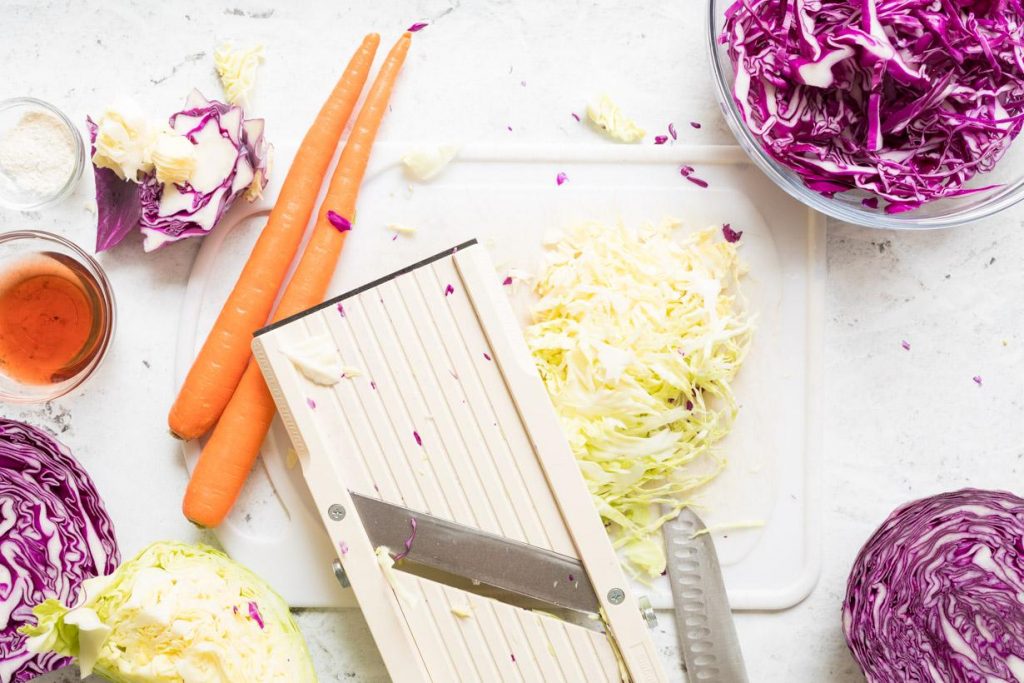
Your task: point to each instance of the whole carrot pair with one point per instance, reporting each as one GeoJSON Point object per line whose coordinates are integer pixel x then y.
{"type": "Point", "coordinates": [224, 386]}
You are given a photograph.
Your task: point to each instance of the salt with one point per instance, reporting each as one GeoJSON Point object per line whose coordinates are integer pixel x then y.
{"type": "Point", "coordinates": [38, 154]}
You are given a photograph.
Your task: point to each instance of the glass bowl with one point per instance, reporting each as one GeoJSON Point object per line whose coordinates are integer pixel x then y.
{"type": "Point", "coordinates": [27, 255]}
{"type": "Point", "coordinates": [28, 197]}
{"type": "Point", "coordinates": [846, 206]}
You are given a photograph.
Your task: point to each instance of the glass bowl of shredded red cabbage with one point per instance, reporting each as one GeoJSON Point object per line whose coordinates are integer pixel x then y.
{"type": "Point", "coordinates": [884, 113]}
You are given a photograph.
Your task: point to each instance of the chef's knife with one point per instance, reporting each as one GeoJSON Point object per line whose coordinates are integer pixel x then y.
{"type": "Point", "coordinates": [707, 637]}
{"type": "Point", "coordinates": [469, 553]}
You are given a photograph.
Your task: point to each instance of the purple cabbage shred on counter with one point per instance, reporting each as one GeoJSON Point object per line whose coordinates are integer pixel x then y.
{"type": "Point", "coordinates": [418, 26]}
{"type": "Point", "coordinates": [311, 403]}
{"type": "Point", "coordinates": [977, 379]}
{"type": "Point", "coordinates": [507, 281]}
{"type": "Point", "coordinates": [419, 439]}
{"type": "Point", "coordinates": [695, 124]}
{"type": "Point", "coordinates": [905, 344]}
{"type": "Point", "coordinates": [487, 355]}
{"type": "Point", "coordinates": [576, 116]}
{"type": "Point", "coordinates": [672, 131]}
{"type": "Point", "coordinates": [341, 309]}
{"type": "Point", "coordinates": [660, 139]}
{"type": "Point", "coordinates": [449, 289]}
{"type": "Point", "coordinates": [561, 178]}
{"type": "Point", "coordinates": [696, 181]}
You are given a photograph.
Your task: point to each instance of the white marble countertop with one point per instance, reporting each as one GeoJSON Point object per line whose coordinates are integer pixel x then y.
{"type": "Point", "coordinates": [898, 424]}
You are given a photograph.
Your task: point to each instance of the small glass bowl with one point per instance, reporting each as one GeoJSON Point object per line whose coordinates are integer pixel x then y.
{"type": "Point", "coordinates": [20, 246]}
{"type": "Point", "coordinates": [11, 194]}
{"type": "Point", "coordinates": [1008, 174]}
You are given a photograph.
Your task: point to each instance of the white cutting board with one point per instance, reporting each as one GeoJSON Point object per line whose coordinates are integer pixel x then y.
{"type": "Point", "coordinates": [507, 197]}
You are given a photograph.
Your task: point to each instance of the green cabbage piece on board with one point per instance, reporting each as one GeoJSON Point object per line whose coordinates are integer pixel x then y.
{"type": "Point", "coordinates": [638, 335]}
{"type": "Point", "coordinates": [176, 613]}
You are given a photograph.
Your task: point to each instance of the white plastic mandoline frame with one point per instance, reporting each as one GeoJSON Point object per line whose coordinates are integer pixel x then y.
{"type": "Point", "coordinates": [450, 418]}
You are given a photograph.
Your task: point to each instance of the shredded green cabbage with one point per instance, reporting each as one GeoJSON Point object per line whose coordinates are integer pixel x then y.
{"type": "Point", "coordinates": [637, 335]}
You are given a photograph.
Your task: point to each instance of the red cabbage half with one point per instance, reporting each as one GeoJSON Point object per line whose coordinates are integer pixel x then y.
{"type": "Point", "coordinates": [937, 592]}
{"type": "Point", "coordinates": [54, 534]}
{"type": "Point", "coordinates": [233, 158]}
{"type": "Point", "coordinates": [174, 212]}
{"type": "Point", "coordinates": [905, 99]}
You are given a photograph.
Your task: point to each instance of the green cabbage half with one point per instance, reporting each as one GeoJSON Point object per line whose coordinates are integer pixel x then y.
{"type": "Point", "coordinates": [177, 613]}
{"type": "Point", "coordinates": [638, 335]}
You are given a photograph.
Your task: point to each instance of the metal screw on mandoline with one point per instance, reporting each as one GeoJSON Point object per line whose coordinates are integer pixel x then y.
{"type": "Point", "coordinates": [336, 512]}
{"type": "Point", "coordinates": [616, 596]}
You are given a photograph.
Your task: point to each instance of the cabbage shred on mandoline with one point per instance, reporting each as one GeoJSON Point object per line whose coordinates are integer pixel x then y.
{"type": "Point", "coordinates": [177, 613]}
{"type": "Point", "coordinates": [637, 336]}
{"type": "Point", "coordinates": [936, 592]}
{"type": "Point", "coordinates": [907, 100]}
{"type": "Point", "coordinates": [55, 535]}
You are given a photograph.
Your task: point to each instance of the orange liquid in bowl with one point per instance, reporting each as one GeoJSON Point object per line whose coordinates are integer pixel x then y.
{"type": "Point", "coordinates": [51, 319]}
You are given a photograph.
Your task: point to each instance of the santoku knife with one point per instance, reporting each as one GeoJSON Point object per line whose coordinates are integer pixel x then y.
{"type": "Point", "coordinates": [707, 637]}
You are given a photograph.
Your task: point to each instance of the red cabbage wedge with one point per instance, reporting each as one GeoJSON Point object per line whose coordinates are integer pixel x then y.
{"type": "Point", "coordinates": [54, 534]}
{"type": "Point", "coordinates": [937, 593]}
{"type": "Point", "coordinates": [906, 100]}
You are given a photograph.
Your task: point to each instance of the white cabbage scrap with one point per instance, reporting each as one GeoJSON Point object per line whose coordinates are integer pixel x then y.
{"type": "Point", "coordinates": [424, 164]}
{"type": "Point", "coordinates": [609, 119]}
{"type": "Point", "coordinates": [237, 70]}
{"type": "Point", "coordinates": [317, 358]}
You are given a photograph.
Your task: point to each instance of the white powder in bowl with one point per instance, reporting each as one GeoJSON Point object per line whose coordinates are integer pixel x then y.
{"type": "Point", "coordinates": [38, 154]}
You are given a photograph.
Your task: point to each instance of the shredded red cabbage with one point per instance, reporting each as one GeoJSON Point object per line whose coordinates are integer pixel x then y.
{"type": "Point", "coordinates": [507, 281]}
{"type": "Point", "coordinates": [418, 26]}
{"type": "Point", "coordinates": [936, 592]}
{"type": "Point", "coordinates": [561, 178]}
{"type": "Point", "coordinates": [672, 131]}
{"type": "Point", "coordinates": [660, 139]}
{"type": "Point", "coordinates": [730, 235]}
{"type": "Point", "coordinates": [449, 289]}
{"type": "Point", "coordinates": [695, 124]}
{"type": "Point", "coordinates": [905, 99]}
{"type": "Point", "coordinates": [311, 403]}
{"type": "Point", "coordinates": [905, 344]}
{"type": "Point", "coordinates": [338, 221]}
{"type": "Point", "coordinates": [254, 612]}
{"type": "Point", "coordinates": [55, 534]}
{"type": "Point", "coordinates": [408, 542]}
{"type": "Point", "coordinates": [419, 439]}
{"type": "Point", "coordinates": [696, 181]}
{"type": "Point", "coordinates": [977, 379]}
{"type": "Point", "coordinates": [576, 116]}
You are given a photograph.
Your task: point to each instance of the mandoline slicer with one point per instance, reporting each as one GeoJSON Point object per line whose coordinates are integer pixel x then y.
{"type": "Point", "coordinates": [448, 416]}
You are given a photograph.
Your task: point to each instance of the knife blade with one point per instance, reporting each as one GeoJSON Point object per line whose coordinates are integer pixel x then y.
{"type": "Point", "coordinates": [707, 636]}
{"type": "Point", "coordinates": [62, 675]}
{"type": "Point", "coordinates": [477, 555]}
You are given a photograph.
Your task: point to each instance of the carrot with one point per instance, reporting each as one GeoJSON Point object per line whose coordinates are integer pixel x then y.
{"type": "Point", "coordinates": [218, 368]}
{"type": "Point", "coordinates": [234, 445]}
